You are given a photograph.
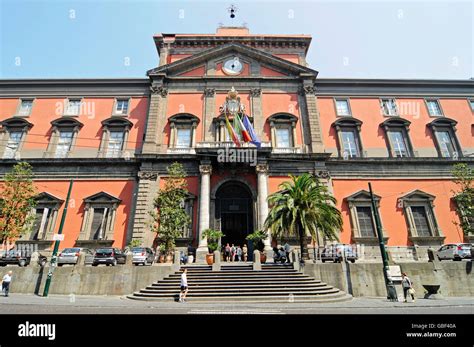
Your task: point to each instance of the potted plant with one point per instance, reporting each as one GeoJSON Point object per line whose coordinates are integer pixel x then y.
{"type": "Point", "coordinates": [161, 250]}
{"type": "Point", "coordinates": [257, 238]}
{"type": "Point", "coordinates": [213, 237]}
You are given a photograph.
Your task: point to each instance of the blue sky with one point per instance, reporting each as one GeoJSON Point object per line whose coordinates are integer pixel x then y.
{"type": "Point", "coordinates": [353, 39]}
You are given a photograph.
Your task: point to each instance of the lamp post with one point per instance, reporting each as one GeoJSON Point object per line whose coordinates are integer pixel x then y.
{"type": "Point", "coordinates": [391, 291]}
{"type": "Point", "coordinates": [52, 266]}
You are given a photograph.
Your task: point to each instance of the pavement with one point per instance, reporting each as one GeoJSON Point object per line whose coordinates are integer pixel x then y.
{"type": "Point", "coordinates": [85, 304]}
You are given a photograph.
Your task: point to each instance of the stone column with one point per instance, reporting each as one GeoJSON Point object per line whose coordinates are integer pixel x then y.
{"type": "Point", "coordinates": [262, 177]}
{"type": "Point", "coordinates": [256, 102]}
{"type": "Point", "coordinates": [209, 109]}
{"type": "Point", "coordinates": [312, 127]}
{"type": "Point", "coordinates": [156, 119]}
{"type": "Point", "coordinates": [204, 202]}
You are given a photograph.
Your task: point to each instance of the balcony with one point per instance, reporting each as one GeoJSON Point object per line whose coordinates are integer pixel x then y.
{"type": "Point", "coordinates": [228, 144]}
{"type": "Point", "coordinates": [181, 150]}
{"type": "Point", "coordinates": [288, 150]}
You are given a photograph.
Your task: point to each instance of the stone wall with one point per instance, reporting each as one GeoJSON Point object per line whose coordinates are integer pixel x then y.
{"type": "Point", "coordinates": [366, 279]}
{"type": "Point", "coordinates": [87, 280]}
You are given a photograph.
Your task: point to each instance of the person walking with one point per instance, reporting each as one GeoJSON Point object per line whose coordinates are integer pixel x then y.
{"type": "Point", "coordinates": [287, 251]}
{"type": "Point", "coordinates": [407, 286]}
{"type": "Point", "coordinates": [6, 280]}
{"type": "Point", "coordinates": [184, 286]}
{"type": "Point", "coordinates": [239, 254]}
{"type": "Point", "coordinates": [245, 252]}
{"type": "Point", "coordinates": [227, 253]}
{"type": "Point", "coordinates": [232, 252]}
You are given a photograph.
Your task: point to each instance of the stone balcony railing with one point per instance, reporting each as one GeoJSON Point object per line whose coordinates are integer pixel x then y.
{"type": "Point", "coordinates": [184, 150]}
{"type": "Point", "coordinates": [228, 144]}
{"type": "Point", "coordinates": [289, 150]}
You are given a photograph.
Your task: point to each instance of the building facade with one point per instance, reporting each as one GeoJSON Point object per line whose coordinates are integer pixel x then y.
{"type": "Point", "coordinates": [116, 137]}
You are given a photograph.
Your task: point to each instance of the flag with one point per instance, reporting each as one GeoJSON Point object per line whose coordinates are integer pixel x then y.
{"type": "Point", "coordinates": [244, 133]}
{"type": "Point", "coordinates": [232, 133]}
{"type": "Point", "coordinates": [236, 126]}
{"type": "Point", "coordinates": [251, 132]}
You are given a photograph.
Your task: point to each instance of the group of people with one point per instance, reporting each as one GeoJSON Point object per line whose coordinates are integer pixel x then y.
{"type": "Point", "coordinates": [235, 253]}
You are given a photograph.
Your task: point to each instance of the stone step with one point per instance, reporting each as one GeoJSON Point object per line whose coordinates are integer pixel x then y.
{"type": "Point", "coordinates": [238, 271]}
{"type": "Point", "coordinates": [255, 282]}
{"type": "Point", "coordinates": [240, 290]}
{"type": "Point", "coordinates": [240, 274]}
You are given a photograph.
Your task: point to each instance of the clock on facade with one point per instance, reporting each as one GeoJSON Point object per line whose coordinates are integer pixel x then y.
{"type": "Point", "coordinates": [232, 66]}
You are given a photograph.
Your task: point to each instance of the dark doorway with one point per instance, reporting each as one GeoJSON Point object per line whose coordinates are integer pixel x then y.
{"type": "Point", "coordinates": [234, 213]}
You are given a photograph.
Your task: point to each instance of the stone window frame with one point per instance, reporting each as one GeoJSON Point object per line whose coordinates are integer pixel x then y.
{"type": "Point", "coordinates": [114, 124]}
{"type": "Point", "coordinates": [470, 102]}
{"type": "Point", "coordinates": [189, 205]}
{"type": "Point", "coordinates": [182, 121]}
{"type": "Point", "coordinates": [13, 124]}
{"type": "Point", "coordinates": [99, 200]}
{"type": "Point", "coordinates": [283, 120]}
{"type": "Point", "coordinates": [398, 124]}
{"type": "Point", "coordinates": [352, 124]}
{"type": "Point", "coordinates": [66, 106]}
{"type": "Point", "coordinates": [382, 99]}
{"type": "Point", "coordinates": [114, 109]}
{"type": "Point", "coordinates": [53, 203]}
{"type": "Point", "coordinates": [18, 108]}
{"type": "Point", "coordinates": [439, 106]}
{"type": "Point", "coordinates": [449, 125]}
{"type": "Point", "coordinates": [346, 99]}
{"type": "Point", "coordinates": [420, 198]}
{"type": "Point", "coordinates": [362, 199]}
{"type": "Point", "coordinates": [58, 125]}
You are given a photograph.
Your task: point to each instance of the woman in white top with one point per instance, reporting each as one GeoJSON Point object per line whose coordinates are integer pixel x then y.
{"type": "Point", "coordinates": [6, 282]}
{"type": "Point", "coordinates": [184, 286]}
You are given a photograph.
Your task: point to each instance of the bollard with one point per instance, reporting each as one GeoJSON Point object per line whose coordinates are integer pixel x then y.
{"type": "Point", "coordinates": [257, 266]}
{"type": "Point", "coordinates": [81, 259]}
{"type": "Point", "coordinates": [129, 258]}
{"type": "Point", "coordinates": [216, 266]}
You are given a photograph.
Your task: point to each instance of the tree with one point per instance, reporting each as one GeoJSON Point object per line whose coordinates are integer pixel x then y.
{"type": "Point", "coordinates": [16, 203]}
{"type": "Point", "coordinates": [169, 216]}
{"type": "Point", "coordinates": [464, 196]}
{"type": "Point", "coordinates": [303, 206]}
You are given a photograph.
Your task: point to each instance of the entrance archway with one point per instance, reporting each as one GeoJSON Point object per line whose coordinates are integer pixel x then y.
{"type": "Point", "coordinates": [234, 213]}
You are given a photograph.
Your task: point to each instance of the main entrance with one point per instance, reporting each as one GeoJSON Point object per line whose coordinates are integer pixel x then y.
{"type": "Point", "coordinates": [234, 213]}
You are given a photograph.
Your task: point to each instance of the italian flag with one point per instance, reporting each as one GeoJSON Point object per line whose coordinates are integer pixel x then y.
{"type": "Point", "coordinates": [232, 133]}
{"type": "Point", "coordinates": [245, 135]}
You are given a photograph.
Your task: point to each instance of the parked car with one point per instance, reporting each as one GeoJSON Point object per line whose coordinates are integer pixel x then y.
{"type": "Point", "coordinates": [71, 256]}
{"type": "Point", "coordinates": [335, 253]}
{"type": "Point", "coordinates": [108, 256]}
{"type": "Point", "coordinates": [143, 255]}
{"type": "Point", "coordinates": [455, 251]}
{"type": "Point", "coordinates": [15, 257]}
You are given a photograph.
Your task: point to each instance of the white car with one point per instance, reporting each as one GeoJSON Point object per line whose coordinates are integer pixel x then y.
{"type": "Point", "coordinates": [455, 251]}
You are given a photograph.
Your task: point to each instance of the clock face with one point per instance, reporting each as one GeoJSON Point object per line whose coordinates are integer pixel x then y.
{"type": "Point", "coordinates": [232, 66]}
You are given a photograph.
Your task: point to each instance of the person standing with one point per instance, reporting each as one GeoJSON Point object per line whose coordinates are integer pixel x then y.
{"type": "Point", "coordinates": [7, 279]}
{"type": "Point", "coordinates": [245, 252]}
{"type": "Point", "coordinates": [232, 252]}
{"type": "Point", "coordinates": [184, 286]}
{"type": "Point", "coordinates": [227, 253]}
{"type": "Point", "coordinates": [239, 254]}
{"type": "Point", "coordinates": [287, 251]}
{"type": "Point", "coordinates": [407, 286]}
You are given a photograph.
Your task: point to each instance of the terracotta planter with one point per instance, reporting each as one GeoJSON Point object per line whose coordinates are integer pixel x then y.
{"type": "Point", "coordinates": [210, 259]}
{"type": "Point", "coordinates": [161, 259]}
{"type": "Point", "coordinates": [263, 258]}
{"type": "Point", "coordinates": [169, 259]}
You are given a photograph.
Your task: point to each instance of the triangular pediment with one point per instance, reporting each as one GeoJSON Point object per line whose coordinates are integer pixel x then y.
{"type": "Point", "coordinates": [102, 197]}
{"type": "Point", "coordinates": [362, 195]}
{"type": "Point", "coordinates": [45, 197]}
{"type": "Point", "coordinates": [417, 195]}
{"type": "Point", "coordinates": [271, 65]}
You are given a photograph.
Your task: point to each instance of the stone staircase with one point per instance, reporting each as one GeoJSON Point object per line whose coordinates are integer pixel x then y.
{"type": "Point", "coordinates": [239, 283]}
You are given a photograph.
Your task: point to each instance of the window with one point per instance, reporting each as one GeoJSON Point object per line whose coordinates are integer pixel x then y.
{"type": "Point", "coordinates": [434, 109]}
{"type": "Point", "coordinates": [99, 221]}
{"type": "Point", "coordinates": [42, 219]}
{"type": "Point", "coordinates": [362, 217]}
{"type": "Point", "coordinates": [73, 107]}
{"type": "Point", "coordinates": [423, 228]}
{"type": "Point", "coordinates": [25, 107]}
{"type": "Point", "coordinates": [13, 144]}
{"type": "Point", "coordinates": [350, 146]}
{"type": "Point", "coordinates": [283, 138]}
{"type": "Point", "coordinates": [342, 107]}
{"type": "Point", "coordinates": [115, 145]}
{"type": "Point", "coordinates": [64, 144]}
{"type": "Point", "coordinates": [183, 138]}
{"type": "Point", "coordinates": [121, 107]}
{"type": "Point", "coordinates": [389, 107]}
{"type": "Point", "coordinates": [348, 130]}
{"type": "Point", "coordinates": [398, 143]}
{"type": "Point", "coordinates": [366, 225]}
{"type": "Point", "coordinates": [444, 131]}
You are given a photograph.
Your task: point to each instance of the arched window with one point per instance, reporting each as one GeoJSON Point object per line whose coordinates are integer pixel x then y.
{"type": "Point", "coordinates": [183, 130]}
{"type": "Point", "coordinates": [348, 136]}
{"type": "Point", "coordinates": [114, 137]}
{"type": "Point", "coordinates": [444, 133]}
{"type": "Point", "coordinates": [283, 131]}
{"type": "Point", "coordinates": [396, 136]}
{"type": "Point", "coordinates": [12, 136]}
{"type": "Point", "coordinates": [63, 137]}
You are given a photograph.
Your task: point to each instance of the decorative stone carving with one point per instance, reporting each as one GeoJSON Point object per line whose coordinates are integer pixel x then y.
{"type": "Point", "coordinates": [163, 91]}
{"type": "Point", "coordinates": [255, 92]}
{"type": "Point", "coordinates": [205, 169]}
{"type": "Point", "coordinates": [262, 168]}
{"type": "Point", "coordinates": [147, 175]}
{"type": "Point", "coordinates": [307, 90]}
{"type": "Point", "coordinates": [322, 174]}
{"type": "Point", "coordinates": [209, 92]}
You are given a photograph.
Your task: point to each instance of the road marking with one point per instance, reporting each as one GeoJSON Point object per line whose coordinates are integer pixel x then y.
{"type": "Point", "coordinates": [235, 312]}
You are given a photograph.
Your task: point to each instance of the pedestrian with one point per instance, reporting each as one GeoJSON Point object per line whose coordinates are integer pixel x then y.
{"type": "Point", "coordinates": [184, 286]}
{"type": "Point", "coordinates": [245, 252]}
{"type": "Point", "coordinates": [232, 253]}
{"type": "Point", "coordinates": [407, 286]}
{"type": "Point", "coordinates": [239, 253]}
{"type": "Point", "coordinates": [287, 251]}
{"type": "Point", "coordinates": [227, 253]}
{"type": "Point", "coordinates": [7, 279]}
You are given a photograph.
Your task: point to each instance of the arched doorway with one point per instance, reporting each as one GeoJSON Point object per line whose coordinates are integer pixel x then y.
{"type": "Point", "coordinates": [234, 211]}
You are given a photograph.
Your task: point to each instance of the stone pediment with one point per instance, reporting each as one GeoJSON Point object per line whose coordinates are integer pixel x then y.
{"type": "Point", "coordinates": [195, 65]}
{"type": "Point", "coordinates": [102, 197]}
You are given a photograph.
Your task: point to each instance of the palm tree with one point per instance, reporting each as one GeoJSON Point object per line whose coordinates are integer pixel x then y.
{"type": "Point", "coordinates": [303, 206]}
